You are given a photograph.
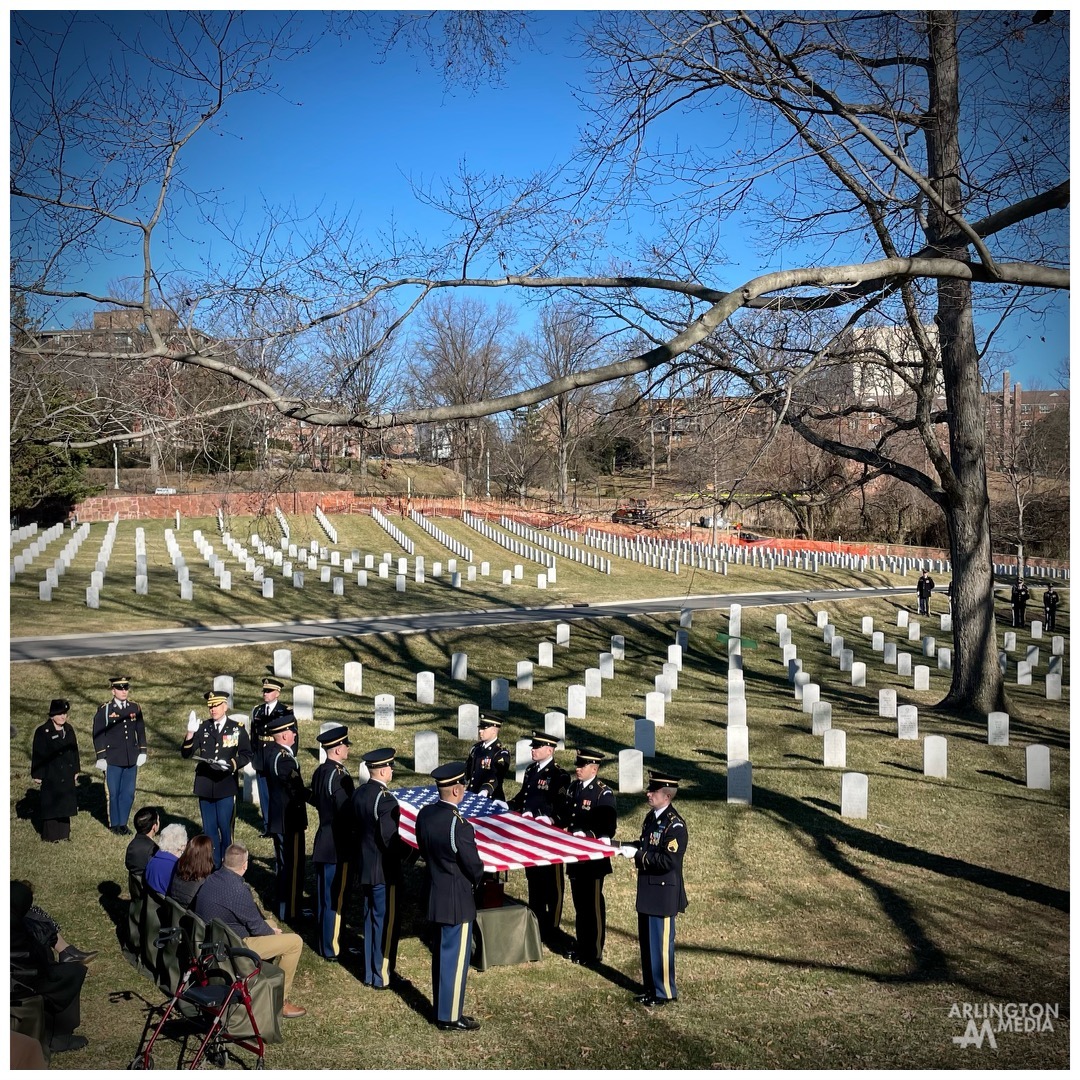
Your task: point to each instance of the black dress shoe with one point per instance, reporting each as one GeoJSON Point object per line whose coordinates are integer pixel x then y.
{"type": "Point", "coordinates": [572, 956]}
{"type": "Point", "coordinates": [657, 1003]}
{"type": "Point", "coordinates": [61, 1044]}
{"type": "Point", "coordinates": [465, 1023]}
{"type": "Point", "coordinates": [72, 955]}
{"type": "Point", "coordinates": [639, 998]}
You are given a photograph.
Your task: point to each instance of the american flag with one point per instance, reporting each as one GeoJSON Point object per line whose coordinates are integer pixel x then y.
{"type": "Point", "coordinates": [505, 839]}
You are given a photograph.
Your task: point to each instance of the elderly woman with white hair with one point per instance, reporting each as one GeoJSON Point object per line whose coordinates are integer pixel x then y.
{"type": "Point", "coordinates": [159, 870]}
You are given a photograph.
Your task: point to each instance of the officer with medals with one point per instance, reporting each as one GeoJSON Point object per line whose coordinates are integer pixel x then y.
{"type": "Point", "coordinates": [488, 761]}
{"type": "Point", "coordinates": [376, 813]}
{"type": "Point", "coordinates": [221, 749]}
{"type": "Point", "coordinates": [288, 814]}
{"type": "Point", "coordinates": [543, 791]}
{"type": "Point", "coordinates": [448, 845]}
{"type": "Point", "coordinates": [589, 811]}
{"type": "Point", "coordinates": [271, 708]}
{"type": "Point", "coordinates": [120, 743]}
{"type": "Point", "coordinates": [331, 794]}
{"type": "Point", "coordinates": [658, 856]}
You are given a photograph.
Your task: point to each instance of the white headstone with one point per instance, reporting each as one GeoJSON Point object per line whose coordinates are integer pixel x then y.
{"type": "Point", "coordinates": [607, 666]}
{"type": "Point", "coordinates": [555, 724]}
{"type": "Point", "coordinates": [459, 667]}
{"type": "Point", "coordinates": [847, 658]}
{"type": "Point", "coordinates": [1032, 656]}
{"type": "Point", "coordinates": [384, 712]}
{"type": "Point", "coordinates": [997, 729]}
{"type": "Point", "coordinates": [936, 756]}
{"type": "Point", "coordinates": [914, 631]}
{"type": "Point", "coordinates": [686, 617]}
{"type": "Point", "coordinates": [592, 682]}
{"type": "Point", "coordinates": [929, 645]}
{"type": "Point", "coordinates": [901, 618]}
{"type": "Point", "coordinates": [631, 772]}
{"type": "Point", "coordinates": [575, 702]}
{"type": "Point", "coordinates": [674, 655]}
{"type": "Point", "coordinates": [867, 624]}
{"type": "Point", "coordinates": [500, 695]}
{"type": "Point", "coordinates": [1058, 645]}
{"type": "Point", "coordinates": [907, 721]}
{"type": "Point", "coordinates": [822, 619]}
{"type": "Point", "coordinates": [654, 707]}
{"type": "Point", "coordinates": [425, 691]}
{"type": "Point", "coordinates": [545, 657]}
{"type": "Point", "coordinates": [836, 646]}
{"type": "Point", "coordinates": [353, 677]}
{"type": "Point", "coordinates": [1010, 640]}
{"type": "Point", "coordinates": [740, 783]}
{"type": "Point", "coordinates": [186, 590]}
{"type": "Point", "coordinates": [618, 646]}
{"type": "Point", "coordinates": [811, 694]}
{"type": "Point", "coordinates": [921, 677]}
{"type": "Point", "coordinates": [821, 717]}
{"type": "Point", "coordinates": [44, 591]}
{"type": "Point", "coordinates": [858, 673]}
{"type": "Point", "coordinates": [303, 701]}
{"type": "Point", "coordinates": [903, 663]}
{"type": "Point", "coordinates": [1023, 673]}
{"type": "Point", "coordinates": [662, 685]}
{"type": "Point", "coordinates": [645, 737]}
{"type": "Point", "coordinates": [1036, 629]}
{"type": "Point", "coordinates": [562, 634]}
{"type": "Point", "coordinates": [877, 641]}
{"type": "Point", "coordinates": [887, 703]}
{"type": "Point", "coordinates": [283, 663]}
{"type": "Point", "coordinates": [853, 793]}
{"type": "Point", "coordinates": [738, 743]}
{"type": "Point", "coordinates": [1037, 760]}
{"type": "Point", "coordinates": [835, 749]}
{"type": "Point", "coordinates": [468, 720]}
{"type": "Point", "coordinates": [425, 752]}
{"type": "Point", "coordinates": [524, 675]}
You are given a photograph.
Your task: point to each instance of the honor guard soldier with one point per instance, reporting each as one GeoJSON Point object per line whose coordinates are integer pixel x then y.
{"type": "Point", "coordinates": [54, 765]}
{"type": "Point", "coordinates": [376, 813]}
{"type": "Point", "coordinates": [589, 811]}
{"type": "Point", "coordinates": [331, 795]}
{"type": "Point", "coordinates": [262, 715]}
{"type": "Point", "coordinates": [1019, 598]}
{"type": "Point", "coordinates": [120, 743]}
{"type": "Point", "coordinates": [221, 749]}
{"type": "Point", "coordinates": [658, 856]}
{"type": "Point", "coordinates": [488, 761]}
{"type": "Point", "coordinates": [448, 845]}
{"type": "Point", "coordinates": [924, 587]}
{"type": "Point", "coordinates": [1051, 599]}
{"type": "Point", "coordinates": [543, 791]}
{"type": "Point", "coordinates": [288, 814]}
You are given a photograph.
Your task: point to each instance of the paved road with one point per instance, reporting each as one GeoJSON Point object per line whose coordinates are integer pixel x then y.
{"type": "Point", "coordinates": [75, 646]}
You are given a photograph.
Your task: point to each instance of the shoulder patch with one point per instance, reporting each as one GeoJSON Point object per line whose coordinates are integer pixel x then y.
{"type": "Point", "coordinates": [673, 845]}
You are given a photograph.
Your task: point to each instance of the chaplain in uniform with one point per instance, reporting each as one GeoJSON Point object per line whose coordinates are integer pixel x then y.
{"type": "Point", "coordinates": [589, 811]}
{"type": "Point", "coordinates": [221, 749]}
{"type": "Point", "coordinates": [658, 856]}
{"type": "Point", "coordinates": [54, 765]}
{"type": "Point", "coordinates": [488, 761]}
{"type": "Point", "coordinates": [331, 794]}
{"type": "Point", "coordinates": [120, 744]}
{"type": "Point", "coordinates": [271, 709]}
{"type": "Point", "coordinates": [542, 795]}
{"type": "Point", "coordinates": [288, 814]}
{"type": "Point", "coordinates": [376, 813]}
{"type": "Point", "coordinates": [448, 845]}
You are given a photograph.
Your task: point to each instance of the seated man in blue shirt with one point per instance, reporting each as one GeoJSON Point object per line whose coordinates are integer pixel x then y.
{"type": "Point", "coordinates": [225, 895]}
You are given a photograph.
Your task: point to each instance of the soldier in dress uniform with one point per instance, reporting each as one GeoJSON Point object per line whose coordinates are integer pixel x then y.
{"type": "Point", "coordinates": [589, 811]}
{"type": "Point", "coordinates": [120, 743]}
{"type": "Point", "coordinates": [1051, 600]}
{"type": "Point", "coordinates": [262, 715]}
{"type": "Point", "coordinates": [331, 794]}
{"type": "Point", "coordinates": [288, 814]}
{"type": "Point", "coordinates": [1019, 598]}
{"type": "Point", "coordinates": [658, 856]}
{"type": "Point", "coordinates": [221, 749]}
{"type": "Point", "coordinates": [924, 589]}
{"type": "Point", "coordinates": [54, 765]}
{"type": "Point", "coordinates": [542, 794]}
{"type": "Point", "coordinates": [448, 845]}
{"type": "Point", "coordinates": [488, 761]}
{"type": "Point", "coordinates": [376, 813]}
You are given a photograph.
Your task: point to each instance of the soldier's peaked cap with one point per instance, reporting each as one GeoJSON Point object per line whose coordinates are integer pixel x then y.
{"type": "Point", "coordinates": [120, 681]}
{"type": "Point", "coordinates": [487, 720]}
{"type": "Point", "coordinates": [588, 757]}
{"type": "Point", "coordinates": [376, 759]}
{"type": "Point", "coordinates": [335, 736]}
{"type": "Point", "coordinates": [658, 780]}
{"type": "Point", "coordinates": [216, 697]}
{"type": "Point", "coordinates": [282, 723]}
{"type": "Point", "coordinates": [453, 772]}
{"type": "Point", "coordinates": [270, 683]}
{"type": "Point", "coordinates": [542, 738]}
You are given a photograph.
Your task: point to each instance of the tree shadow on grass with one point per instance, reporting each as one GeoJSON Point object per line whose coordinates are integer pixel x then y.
{"type": "Point", "coordinates": [1002, 776]}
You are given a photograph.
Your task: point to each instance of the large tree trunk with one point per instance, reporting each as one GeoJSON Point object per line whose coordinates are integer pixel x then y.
{"type": "Point", "coordinates": [977, 682]}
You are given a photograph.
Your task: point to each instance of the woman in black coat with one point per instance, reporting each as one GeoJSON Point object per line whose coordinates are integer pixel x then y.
{"type": "Point", "coordinates": [54, 764]}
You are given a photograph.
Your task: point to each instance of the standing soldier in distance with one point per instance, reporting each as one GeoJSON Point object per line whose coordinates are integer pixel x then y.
{"type": "Point", "coordinates": [488, 761]}
{"type": "Point", "coordinates": [120, 743]}
{"type": "Point", "coordinates": [376, 813]}
{"type": "Point", "coordinates": [271, 708]}
{"type": "Point", "coordinates": [448, 844]}
{"type": "Point", "coordinates": [923, 588]}
{"type": "Point", "coordinates": [658, 856]}
{"type": "Point", "coordinates": [288, 814]}
{"type": "Point", "coordinates": [589, 811]}
{"type": "Point", "coordinates": [543, 790]}
{"type": "Point", "coordinates": [1019, 602]}
{"type": "Point", "coordinates": [331, 794]}
{"type": "Point", "coordinates": [1051, 599]}
{"type": "Point", "coordinates": [221, 749]}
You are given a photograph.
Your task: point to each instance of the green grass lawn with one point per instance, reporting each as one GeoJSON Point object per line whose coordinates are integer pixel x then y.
{"type": "Point", "coordinates": [811, 941]}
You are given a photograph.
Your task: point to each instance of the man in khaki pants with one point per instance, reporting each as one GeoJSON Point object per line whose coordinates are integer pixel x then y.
{"type": "Point", "coordinates": [225, 896]}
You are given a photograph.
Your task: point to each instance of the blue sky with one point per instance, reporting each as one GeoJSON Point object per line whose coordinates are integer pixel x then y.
{"type": "Point", "coordinates": [347, 132]}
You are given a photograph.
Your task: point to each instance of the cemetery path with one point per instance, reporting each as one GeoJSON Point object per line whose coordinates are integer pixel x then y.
{"type": "Point", "coordinates": [79, 646]}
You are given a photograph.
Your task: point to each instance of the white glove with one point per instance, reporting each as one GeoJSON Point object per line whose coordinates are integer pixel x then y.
{"type": "Point", "coordinates": [581, 834]}
{"type": "Point", "coordinates": [627, 851]}
{"type": "Point", "coordinates": [101, 764]}
{"type": "Point", "coordinates": [500, 804]}
{"type": "Point", "coordinates": [249, 770]}
{"type": "Point", "coordinates": [483, 794]}
{"type": "Point", "coordinates": [545, 819]}
{"type": "Point", "coordinates": [526, 813]}
{"type": "Point", "coordinates": [141, 759]}
{"type": "Point", "coordinates": [192, 724]}
{"type": "Point", "coordinates": [220, 763]}
{"type": "Point", "coordinates": [604, 839]}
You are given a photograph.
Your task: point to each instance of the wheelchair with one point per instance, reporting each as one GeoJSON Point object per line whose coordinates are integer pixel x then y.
{"type": "Point", "coordinates": [207, 999]}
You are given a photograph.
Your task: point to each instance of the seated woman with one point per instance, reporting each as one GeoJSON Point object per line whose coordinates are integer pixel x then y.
{"type": "Point", "coordinates": [194, 867]}
{"type": "Point", "coordinates": [159, 870]}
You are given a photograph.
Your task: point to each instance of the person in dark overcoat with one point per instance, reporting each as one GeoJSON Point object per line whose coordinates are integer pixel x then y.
{"type": "Point", "coordinates": [661, 896]}
{"type": "Point", "coordinates": [924, 588]}
{"type": "Point", "coordinates": [589, 811]}
{"type": "Point", "coordinates": [1019, 598]}
{"type": "Point", "coordinates": [120, 744]}
{"type": "Point", "coordinates": [542, 794]}
{"type": "Point", "coordinates": [1051, 600]}
{"type": "Point", "coordinates": [376, 813]}
{"type": "Point", "coordinates": [221, 749]}
{"type": "Point", "coordinates": [262, 716]}
{"type": "Point", "coordinates": [447, 844]}
{"type": "Point", "coordinates": [54, 765]}
{"type": "Point", "coordinates": [488, 761]}
{"type": "Point", "coordinates": [288, 814]}
{"type": "Point", "coordinates": [332, 790]}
